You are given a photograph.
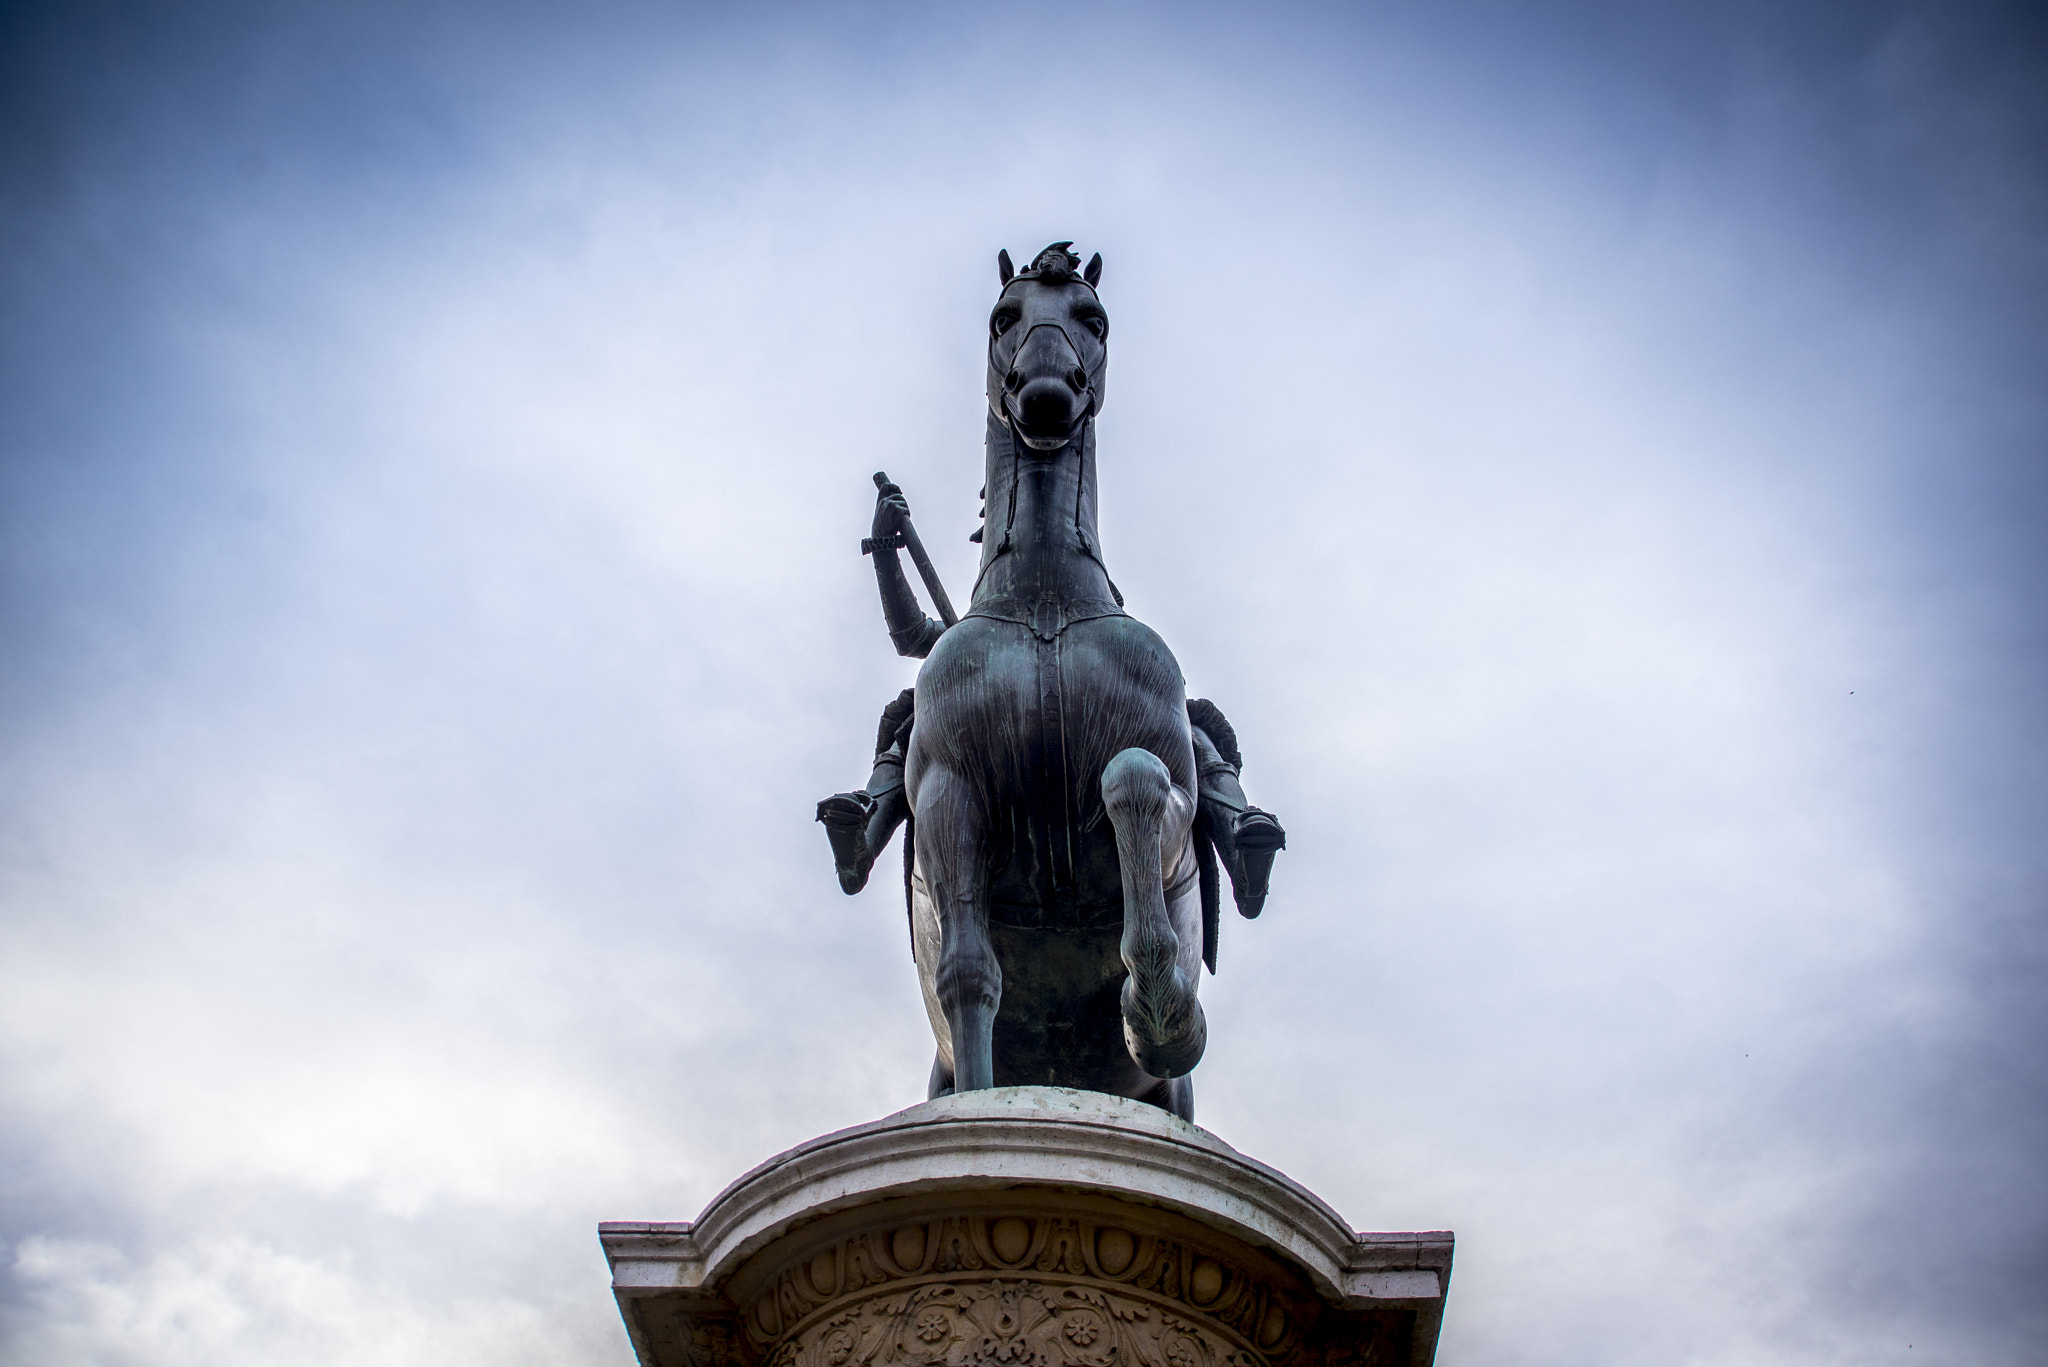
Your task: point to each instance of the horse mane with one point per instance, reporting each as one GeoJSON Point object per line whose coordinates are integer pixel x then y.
{"type": "Point", "coordinates": [1055, 265]}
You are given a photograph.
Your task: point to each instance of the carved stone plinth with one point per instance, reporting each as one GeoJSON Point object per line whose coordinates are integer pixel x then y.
{"type": "Point", "coordinates": [1024, 1227]}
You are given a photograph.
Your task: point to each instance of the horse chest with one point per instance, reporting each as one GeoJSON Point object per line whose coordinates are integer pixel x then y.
{"type": "Point", "coordinates": [1031, 716]}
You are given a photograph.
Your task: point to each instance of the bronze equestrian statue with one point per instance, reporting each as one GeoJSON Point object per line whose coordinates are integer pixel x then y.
{"type": "Point", "coordinates": [1068, 805]}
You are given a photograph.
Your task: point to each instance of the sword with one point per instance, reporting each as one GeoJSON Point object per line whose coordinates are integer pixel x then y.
{"type": "Point", "coordinates": [915, 546]}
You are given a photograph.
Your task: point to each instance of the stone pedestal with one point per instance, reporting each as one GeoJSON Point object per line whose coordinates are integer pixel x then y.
{"type": "Point", "coordinates": [1024, 1227]}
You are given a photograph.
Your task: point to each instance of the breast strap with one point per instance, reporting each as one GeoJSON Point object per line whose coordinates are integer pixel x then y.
{"type": "Point", "coordinates": [1048, 615]}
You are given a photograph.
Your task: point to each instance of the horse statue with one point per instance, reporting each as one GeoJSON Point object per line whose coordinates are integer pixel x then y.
{"type": "Point", "coordinates": [1067, 804]}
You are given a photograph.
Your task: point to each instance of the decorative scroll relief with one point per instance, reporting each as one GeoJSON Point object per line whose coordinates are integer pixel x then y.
{"type": "Point", "coordinates": [1009, 1324]}
{"type": "Point", "coordinates": [969, 1253]}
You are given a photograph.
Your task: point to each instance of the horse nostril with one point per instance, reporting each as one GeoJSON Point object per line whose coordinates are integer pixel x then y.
{"type": "Point", "coordinates": [1012, 380]}
{"type": "Point", "coordinates": [1078, 378]}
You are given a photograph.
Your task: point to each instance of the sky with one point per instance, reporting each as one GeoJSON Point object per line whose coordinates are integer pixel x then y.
{"type": "Point", "coordinates": [1596, 454]}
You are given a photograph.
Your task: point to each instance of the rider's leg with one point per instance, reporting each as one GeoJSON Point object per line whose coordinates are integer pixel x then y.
{"type": "Point", "coordinates": [892, 803]}
{"type": "Point", "coordinates": [1163, 1024]}
{"type": "Point", "coordinates": [1246, 838]}
{"type": "Point", "coordinates": [860, 824]}
{"type": "Point", "coordinates": [1220, 794]}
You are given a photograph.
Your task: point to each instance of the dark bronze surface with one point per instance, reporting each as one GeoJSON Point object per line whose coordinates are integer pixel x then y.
{"type": "Point", "coordinates": [1069, 806]}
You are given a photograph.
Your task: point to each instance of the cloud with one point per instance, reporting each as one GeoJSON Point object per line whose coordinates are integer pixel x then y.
{"type": "Point", "coordinates": [226, 1299]}
{"type": "Point", "coordinates": [1590, 455]}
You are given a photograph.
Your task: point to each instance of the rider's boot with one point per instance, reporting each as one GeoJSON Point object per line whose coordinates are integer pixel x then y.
{"type": "Point", "coordinates": [859, 824]}
{"type": "Point", "coordinates": [845, 818]}
{"type": "Point", "coordinates": [1258, 837]}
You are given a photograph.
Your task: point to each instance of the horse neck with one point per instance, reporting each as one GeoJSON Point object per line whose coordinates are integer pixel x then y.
{"type": "Point", "coordinates": [1045, 541]}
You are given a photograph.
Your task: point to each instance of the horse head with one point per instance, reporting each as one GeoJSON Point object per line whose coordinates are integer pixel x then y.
{"type": "Point", "coordinates": [1048, 344]}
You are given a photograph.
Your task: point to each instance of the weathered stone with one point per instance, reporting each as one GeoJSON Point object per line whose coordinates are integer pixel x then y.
{"type": "Point", "coordinates": [1024, 1227]}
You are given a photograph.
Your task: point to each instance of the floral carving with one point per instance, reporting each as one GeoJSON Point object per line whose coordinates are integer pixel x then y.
{"type": "Point", "coordinates": [1054, 1248]}
{"type": "Point", "coordinates": [999, 1323]}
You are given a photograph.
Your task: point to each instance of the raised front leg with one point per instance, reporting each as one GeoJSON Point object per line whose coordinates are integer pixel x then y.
{"type": "Point", "coordinates": [1163, 1024]}
{"type": "Point", "coordinates": [952, 850]}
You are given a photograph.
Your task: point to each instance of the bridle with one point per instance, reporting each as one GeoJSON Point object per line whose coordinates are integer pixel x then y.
{"type": "Point", "coordinates": [1079, 439]}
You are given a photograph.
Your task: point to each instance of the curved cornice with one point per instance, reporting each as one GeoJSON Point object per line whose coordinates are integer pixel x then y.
{"type": "Point", "coordinates": [1013, 1137]}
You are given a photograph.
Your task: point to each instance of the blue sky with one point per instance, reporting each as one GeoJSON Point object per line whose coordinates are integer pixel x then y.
{"type": "Point", "coordinates": [1593, 452]}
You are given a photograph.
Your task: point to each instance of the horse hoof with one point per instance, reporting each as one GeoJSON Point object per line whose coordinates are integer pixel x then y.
{"type": "Point", "coordinates": [1175, 1046]}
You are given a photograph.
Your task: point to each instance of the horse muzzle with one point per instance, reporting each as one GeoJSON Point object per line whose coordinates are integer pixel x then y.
{"type": "Point", "coordinates": [1047, 411]}
{"type": "Point", "coordinates": [1047, 392]}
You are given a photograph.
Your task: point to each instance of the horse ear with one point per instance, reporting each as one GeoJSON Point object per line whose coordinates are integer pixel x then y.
{"type": "Point", "coordinates": [1093, 272]}
{"type": "Point", "coordinates": [1003, 264]}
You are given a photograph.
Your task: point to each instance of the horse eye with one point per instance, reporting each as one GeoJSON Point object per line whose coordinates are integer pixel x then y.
{"type": "Point", "coordinates": [1000, 324]}
{"type": "Point", "coordinates": [1098, 326]}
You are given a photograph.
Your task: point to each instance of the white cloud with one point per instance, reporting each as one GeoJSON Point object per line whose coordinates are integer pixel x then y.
{"type": "Point", "coordinates": [446, 623]}
{"type": "Point", "coordinates": [220, 1302]}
